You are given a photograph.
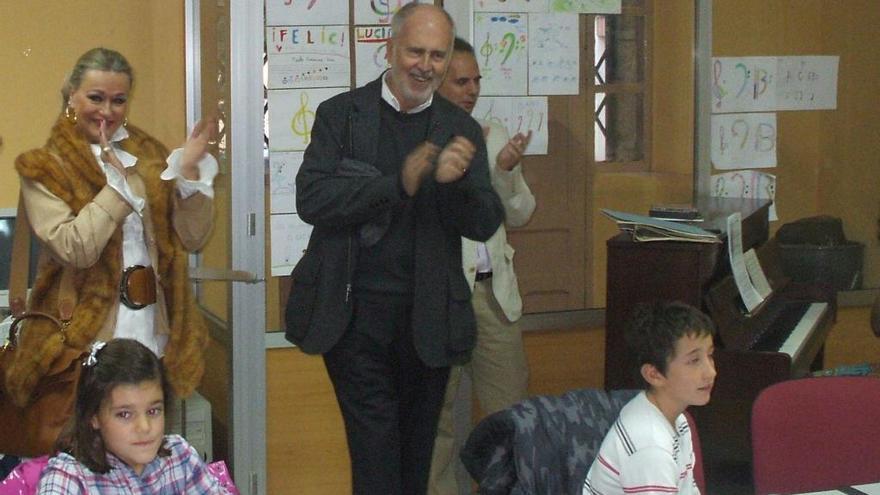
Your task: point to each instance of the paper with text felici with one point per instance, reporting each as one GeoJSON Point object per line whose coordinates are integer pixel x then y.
{"type": "Point", "coordinates": [750, 296]}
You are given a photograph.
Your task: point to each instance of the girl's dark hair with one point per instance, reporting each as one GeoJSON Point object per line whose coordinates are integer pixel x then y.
{"type": "Point", "coordinates": [655, 327]}
{"type": "Point", "coordinates": [119, 362]}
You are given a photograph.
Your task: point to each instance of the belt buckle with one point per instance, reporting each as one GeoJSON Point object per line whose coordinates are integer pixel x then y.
{"type": "Point", "coordinates": [124, 296]}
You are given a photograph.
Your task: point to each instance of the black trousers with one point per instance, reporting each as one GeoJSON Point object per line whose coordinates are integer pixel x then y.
{"type": "Point", "coordinates": [390, 400]}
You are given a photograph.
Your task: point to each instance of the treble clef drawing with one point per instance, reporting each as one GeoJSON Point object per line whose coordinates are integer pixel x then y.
{"type": "Point", "coordinates": [302, 119]}
{"type": "Point", "coordinates": [486, 50]}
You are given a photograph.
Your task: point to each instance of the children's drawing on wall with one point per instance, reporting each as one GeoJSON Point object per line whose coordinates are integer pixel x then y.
{"type": "Point", "coordinates": [554, 66]}
{"type": "Point", "coordinates": [510, 5]}
{"type": "Point", "coordinates": [292, 115]}
{"type": "Point", "coordinates": [308, 56]}
{"type": "Point", "coordinates": [376, 11]}
{"type": "Point", "coordinates": [743, 84]}
{"type": "Point", "coordinates": [306, 12]}
{"type": "Point", "coordinates": [370, 52]}
{"type": "Point", "coordinates": [755, 84]}
{"type": "Point", "coordinates": [743, 140]}
{"type": "Point", "coordinates": [746, 184]}
{"type": "Point", "coordinates": [807, 83]}
{"type": "Point", "coordinates": [501, 45]}
{"type": "Point", "coordinates": [283, 167]}
{"type": "Point", "coordinates": [518, 114]}
{"type": "Point", "coordinates": [290, 237]}
{"type": "Point", "coordinates": [586, 6]}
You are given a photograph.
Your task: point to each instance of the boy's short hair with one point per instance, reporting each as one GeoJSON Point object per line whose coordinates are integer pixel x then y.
{"type": "Point", "coordinates": [655, 327]}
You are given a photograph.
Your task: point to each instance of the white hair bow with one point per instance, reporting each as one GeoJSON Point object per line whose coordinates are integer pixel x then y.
{"type": "Point", "coordinates": [91, 360]}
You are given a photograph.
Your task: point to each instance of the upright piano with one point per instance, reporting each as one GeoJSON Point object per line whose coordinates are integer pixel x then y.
{"type": "Point", "coordinates": [782, 339]}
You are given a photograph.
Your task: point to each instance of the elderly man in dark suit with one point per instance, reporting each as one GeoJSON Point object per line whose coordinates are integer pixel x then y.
{"type": "Point", "coordinates": [392, 179]}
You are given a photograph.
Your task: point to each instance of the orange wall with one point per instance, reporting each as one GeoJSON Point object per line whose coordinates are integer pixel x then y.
{"type": "Point", "coordinates": [827, 160]}
{"type": "Point", "coordinates": [39, 42]}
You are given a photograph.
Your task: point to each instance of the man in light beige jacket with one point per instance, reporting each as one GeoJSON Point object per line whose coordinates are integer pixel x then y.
{"type": "Point", "coordinates": [498, 366]}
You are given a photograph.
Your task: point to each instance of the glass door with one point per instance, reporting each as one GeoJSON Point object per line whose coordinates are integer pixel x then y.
{"type": "Point", "coordinates": [224, 59]}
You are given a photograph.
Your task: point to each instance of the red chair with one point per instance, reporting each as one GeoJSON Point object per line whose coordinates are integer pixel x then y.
{"type": "Point", "coordinates": [816, 434]}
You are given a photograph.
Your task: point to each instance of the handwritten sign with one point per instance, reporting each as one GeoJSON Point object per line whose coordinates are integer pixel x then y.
{"type": "Point", "coordinates": [755, 84]}
{"type": "Point", "coordinates": [370, 45]}
{"type": "Point", "coordinates": [283, 167]}
{"type": "Point", "coordinates": [554, 65]}
{"type": "Point", "coordinates": [743, 84]}
{"type": "Point", "coordinates": [510, 5]}
{"type": "Point", "coordinates": [807, 83]}
{"type": "Point", "coordinates": [586, 6]}
{"type": "Point", "coordinates": [501, 45]}
{"type": "Point", "coordinates": [376, 11]}
{"type": "Point", "coordinates": [746, 184]}
{"type": "Point", "coordinates": [292, 115]}
{"type": "Point", "coordinates": [290, 237]}
{"type": "Point", "coordinates": [743, 140]}
{"type": "Point", "coordinates": [518, 114]}
{"type": "Point", "coordinates": [306, 12]}
{"type": "Point", "coordinates": [308, 56]}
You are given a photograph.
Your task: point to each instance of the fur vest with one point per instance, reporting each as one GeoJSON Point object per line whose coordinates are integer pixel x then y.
{"type": "Point", "coordinates": [97, 286]}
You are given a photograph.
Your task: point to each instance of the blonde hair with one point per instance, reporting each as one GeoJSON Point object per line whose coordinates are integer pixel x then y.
{"type": "Point", "coordinates": [99, 58]}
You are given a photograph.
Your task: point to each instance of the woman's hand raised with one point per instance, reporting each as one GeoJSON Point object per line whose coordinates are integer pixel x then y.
{"type": "Point", "coordinates": [204, 133]}
{"type": "Point", "coordinates": [107, 153]}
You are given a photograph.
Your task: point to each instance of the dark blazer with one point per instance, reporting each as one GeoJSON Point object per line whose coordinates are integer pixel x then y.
{"type": "Point", "coordinates": [345, 198]}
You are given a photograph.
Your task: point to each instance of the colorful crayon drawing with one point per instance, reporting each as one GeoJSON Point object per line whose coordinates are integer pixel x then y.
{"type": "Point", "coordinates": [586, 6]}
{"type": "Point", "coordinates": [518, 114]}
{"type": "Point", "coordinates": [746, 184]}
{"type": "Point", "coordinates": [283, 167]}
{"type": "Point", "coordinates": [292, 115]}
{"type": "Point", "coordinates": [308, 56]}
{"type": "Point", "coordinates": [501, 42]}
{"type": "Point", "coordinates": [306, 12]}
{"type": "Point", "coordinates": [743, 140]}
{"type": "Point", "coordinates": [376, 11]}
{"type": "Point", "coordinates": [369, 52]}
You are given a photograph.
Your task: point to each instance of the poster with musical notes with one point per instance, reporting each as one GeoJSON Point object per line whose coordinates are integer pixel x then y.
{"type": "Point", "coordinates": [746, 184]}
{"type": "Point", "coordinates": [290, 237]}
{"type": "Point", "coordinates": [283, 167]}
{"type": "Point", "coordinates": [743, 140]}
{"type": "Point", "coordinates": [292, 115]}
{"type": "Point", "coordinates": [755, 84]}
{"type": "Point", "coordinates": [743, 84]}
{"type": "Point", "coordinates": [306, 12]}
{"type": "Point", "coordinates": [308, 56]}
{"type": "Point", "coordinates": [501, 46]}
{"type": "Point", "coordinates": [518, 114]}
{"type": "Point", "coordinates": [554, 65]}
{"type": "Point", "coordinates": [370, 46]}
{"type": "Point", "coordinates": [807, 83]}
{"type": "Point", "coordinates": [586, 6]}
{"type": "Point", "coordinates": [510, 5]}
{"type": "Point", "coordinates": [376, 11]}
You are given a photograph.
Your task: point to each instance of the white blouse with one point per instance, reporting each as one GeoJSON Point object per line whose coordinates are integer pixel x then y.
{"type": "Point", "coordinates": [140, 324]}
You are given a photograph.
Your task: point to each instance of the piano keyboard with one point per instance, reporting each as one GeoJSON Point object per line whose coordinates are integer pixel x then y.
{"type": "Point", "coordinates": [787, 326]}
{"type": "Point", "coordinates": [795, 341]}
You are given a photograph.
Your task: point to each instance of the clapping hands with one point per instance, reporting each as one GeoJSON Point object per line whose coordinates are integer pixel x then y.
{"type": "Point", "coordinates": [204, 133]}
{"type": "Point", "coordinates": [453, 161]}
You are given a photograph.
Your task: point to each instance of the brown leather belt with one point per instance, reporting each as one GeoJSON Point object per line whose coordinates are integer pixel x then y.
{"type": "Point", "coordinates": [483, 276]}
{"type": "Point", "coordinates": [137, 289]}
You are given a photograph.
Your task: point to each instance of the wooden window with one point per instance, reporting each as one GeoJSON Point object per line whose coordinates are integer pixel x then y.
{"type": "Point", "coordinates": [619, 89]}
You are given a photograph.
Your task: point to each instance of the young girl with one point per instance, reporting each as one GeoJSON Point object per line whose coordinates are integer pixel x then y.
{"type": "Point", "coordinates": [116, 442]}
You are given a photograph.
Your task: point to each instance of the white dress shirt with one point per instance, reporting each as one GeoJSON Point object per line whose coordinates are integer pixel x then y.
{"type": "Point", "coordinates": [140, 324]}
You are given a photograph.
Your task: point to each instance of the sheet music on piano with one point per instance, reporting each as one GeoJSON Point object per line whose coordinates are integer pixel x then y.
{"type": "Point", "coordinates": [756, 273]}
{"type": "Point", "coordinates": [751, 298]}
